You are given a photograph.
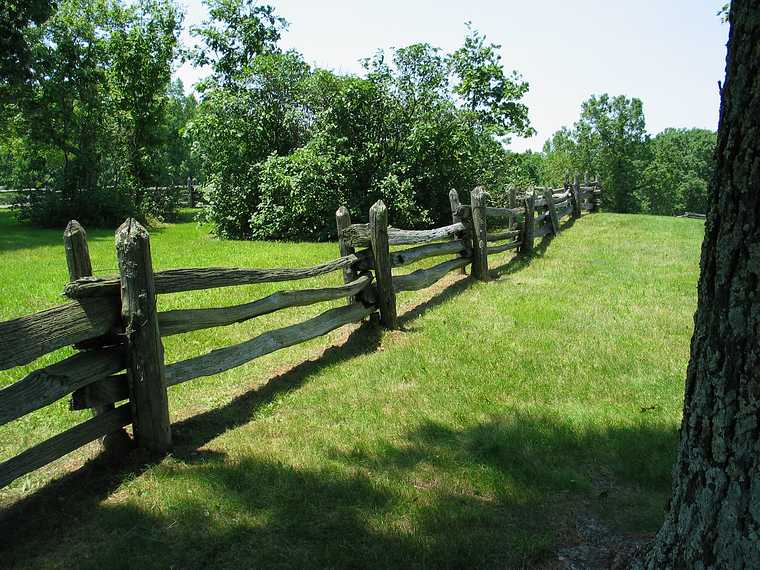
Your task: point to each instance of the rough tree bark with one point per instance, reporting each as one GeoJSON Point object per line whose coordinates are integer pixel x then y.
{"type": "Point", "coordinates": [713, 518]}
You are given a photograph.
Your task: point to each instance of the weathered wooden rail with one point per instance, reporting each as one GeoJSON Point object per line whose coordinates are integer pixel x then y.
{"type": "Point", "coordinates": [116, 327]}
{"type": "Point", "coordinates": [188, 193]}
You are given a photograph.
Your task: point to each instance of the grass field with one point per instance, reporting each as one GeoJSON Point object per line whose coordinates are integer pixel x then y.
{"type": "Point", "coordinates": [473, 437]}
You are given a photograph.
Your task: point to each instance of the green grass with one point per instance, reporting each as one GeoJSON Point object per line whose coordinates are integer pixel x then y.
{"type": "Point", "coordinates": [471, 438]}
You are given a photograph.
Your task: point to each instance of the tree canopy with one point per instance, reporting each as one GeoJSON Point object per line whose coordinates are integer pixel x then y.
{"type": "Point", "coordinates": [88, 110]}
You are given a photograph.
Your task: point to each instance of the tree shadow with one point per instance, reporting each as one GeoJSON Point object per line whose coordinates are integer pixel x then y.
{"type": "Point", "coordinates": [501, 492]}
{"type": "Point", "coordinates": [524, 474]}
{"type": "Point", "coordinates": [85, 488]}
{"type": "Point", "coordinates": [194, 432]}
{"type": "Point", "coordinates": [519, 262]}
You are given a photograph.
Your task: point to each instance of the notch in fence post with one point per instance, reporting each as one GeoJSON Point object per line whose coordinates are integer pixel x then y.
{"type": "Point", "coordinates": [549, 198]}
{"type": "Point", "coordinates": [342, 221]}
{"type": "Point", "coordinates": [478, 199]}
{"type": "Point", "coordinates": [145, 351]}
{"type": "Point", "coordinates": [381, 255]}
{"type": "Point", "coordinates": [528, 231]}
{"type": "Point", "coordinates": [456, 218]}
{"type": "Point", "coordinates": [575, 195]}
{"type": "Point", "coordinates": [80, 265]}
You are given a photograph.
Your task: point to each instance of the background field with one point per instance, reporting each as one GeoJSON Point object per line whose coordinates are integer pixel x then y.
{"type": "Point", "coordinates": [471, 438]}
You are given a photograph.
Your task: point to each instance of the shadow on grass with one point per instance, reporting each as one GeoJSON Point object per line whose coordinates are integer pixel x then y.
{"type": "Point", "coordinates": [503, 492]}
{"type": "Point", "coordinates": [519, 262]}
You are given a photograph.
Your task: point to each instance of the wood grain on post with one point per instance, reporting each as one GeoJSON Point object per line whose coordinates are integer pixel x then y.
{"type": "Point", "coordinates": [145, 352]}
{"type": "Point", "coordinates": [457, 218]}
{"type": "Point", "coordinates": [526, 245]}
{"type": "Point", "coordinates": [576, 198]}
{"type": "Point", "coordinates": [386, 298]}
{"type": "Point", "coordinates": [80, 265]}
{"type": "Point", "coordinates": [553, 218]}
{"type": "Point", "coordinates": [77, 251]}
{"type": "Point", "coordinates": [342, 221]}
{"type": "Point", "coordinates": [478, 200]}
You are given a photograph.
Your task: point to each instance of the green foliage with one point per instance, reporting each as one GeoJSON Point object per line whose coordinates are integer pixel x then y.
{"type": "Point", "coordinates": [141, 50]}
{"type": "Point", "coordinates": [665, 175]}
{"type": "Point", "coordinates": [611, 142]}
{"type": "Point", "coordinates": [298, 193]}
{"type": "Point", "coordinates": [487, 91]}
{"type": "Point", "coordinates": [283, 145]}
{"type": "Point", "coordinates": [90, 121]}
{"type": "Point", "coordinates": [235, 130]}
{"type": "Point", "coordinates": [676, 178]}
{"type": "Point", "coordinates": [235, 33]}
{"type": "Point", "coordinates": [18, 19]}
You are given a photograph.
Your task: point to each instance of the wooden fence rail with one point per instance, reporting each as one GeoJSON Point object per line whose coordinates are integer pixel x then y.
{"type": "Point", "coordinates": [115, 324]}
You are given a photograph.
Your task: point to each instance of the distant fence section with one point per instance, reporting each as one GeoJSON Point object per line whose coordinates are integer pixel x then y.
{"type": "Point", "coordinates": [189, 194]}
{"type": "Point", "coordinates": [693, 216]}
{"type": "Point", "coordinates": [119, 371]}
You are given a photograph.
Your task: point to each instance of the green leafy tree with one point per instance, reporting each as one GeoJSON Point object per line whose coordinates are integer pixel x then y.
{"type": "Point", "coordinates": [677, 175]}
{"type": "Point", "coordinates": [179, 162]}
{"type": "Point", "coordinates": [282, 145]}
{"type": "Point", "coordinates": [235, 130]}
{"type": "Point", "coordinates": [561, 162]}
{"type": "Point", "coordinates": [90, 120]}
{"type": "Point", "coordinates": [609, 140]}
{"type": "Point", "coordinates": [141, 49]}
{"type": "Point", "coordinates": [19, 22]}
{"type": "Point", "coordinates": [236, 32]}
{"type": "Point", "coordinates": [487, 91]}
{"type": "Point", "coordinates": [612, 142]}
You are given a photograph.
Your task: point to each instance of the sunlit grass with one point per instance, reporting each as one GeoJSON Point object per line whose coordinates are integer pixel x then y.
{"type": "Point", "coordinates": [470, 438]}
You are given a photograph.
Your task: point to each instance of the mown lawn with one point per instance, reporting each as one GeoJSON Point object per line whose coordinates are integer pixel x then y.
{"type": "Point", "coordinates": [471, 438]}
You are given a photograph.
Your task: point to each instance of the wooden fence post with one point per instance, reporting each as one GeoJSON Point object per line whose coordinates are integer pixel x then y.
{"type": "Point", "coordinates": [575, 195]}
{"type": "Point", "coordinates": [526, 241]}
{"type": "Point", "coordinates": [190, 196]}
{"type": "Point", "coordinates": [342, 221]}
{"type": "Point", "coordinates": [552, 210]}
{"type": "Point", "coordinates": [77, 251]}
{"type": "Point", "coordinates": [457, 218]}
{"type": "Point", "coordinates": [145, 352]}
{"type": "Point", "coordinates": [478, 199]}
{"type": "Point", "coordinates": [381, 255]}
{"type": "Point", "coordinates": [80, 265]}
{"type": "Point", "coordinates": [596, 198]}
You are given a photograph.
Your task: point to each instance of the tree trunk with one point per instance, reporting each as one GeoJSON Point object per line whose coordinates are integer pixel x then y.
{"type": "Point", "coordinates": [714, 512]}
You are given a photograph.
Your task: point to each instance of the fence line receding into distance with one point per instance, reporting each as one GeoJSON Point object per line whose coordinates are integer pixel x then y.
{"type": "Point", "coordinates": [119, 371]}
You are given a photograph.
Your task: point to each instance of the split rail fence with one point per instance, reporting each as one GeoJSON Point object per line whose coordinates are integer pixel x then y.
{"type": "Point", "coordinates": [118, 370]}
{"type": "Point", "coordinates": [188, 194]}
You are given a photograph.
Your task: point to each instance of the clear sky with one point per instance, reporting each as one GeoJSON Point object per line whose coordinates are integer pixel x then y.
{"type": "Point", "coordinates": [668, 53]}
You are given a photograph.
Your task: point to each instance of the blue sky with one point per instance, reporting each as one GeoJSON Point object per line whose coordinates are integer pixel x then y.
{"type": "Point", "coordinates": [668, 53]}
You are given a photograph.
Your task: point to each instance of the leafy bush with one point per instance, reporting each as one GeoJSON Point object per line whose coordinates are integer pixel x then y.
{"type": "Point", "coordinates": [299, 194]}
{"type": "Point", "coordinates": [283, 145]}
